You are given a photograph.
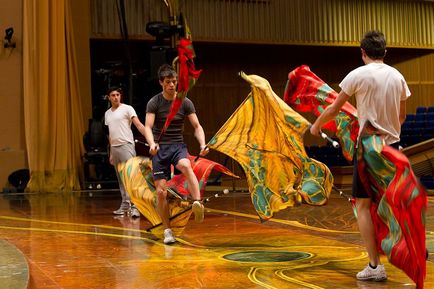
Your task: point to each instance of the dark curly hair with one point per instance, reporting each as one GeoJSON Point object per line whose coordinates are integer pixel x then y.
{"type": "Point", "coordinates": [115, 88]}
{"type": "Point", "coordinates": [374, 44]}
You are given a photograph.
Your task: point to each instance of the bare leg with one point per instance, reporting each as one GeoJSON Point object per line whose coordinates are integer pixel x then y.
{"type": "Point", "coordinates": [163, 206]}
{"type": "Point", "coordinates": [184, 166]}
{"type": "Point", "coordinates": [367, 230]}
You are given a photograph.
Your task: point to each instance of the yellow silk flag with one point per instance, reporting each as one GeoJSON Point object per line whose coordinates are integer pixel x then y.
{"type": "Point", "coordinates": [265, 136]}
{"type": "Point", "coordinates": [136, 175]}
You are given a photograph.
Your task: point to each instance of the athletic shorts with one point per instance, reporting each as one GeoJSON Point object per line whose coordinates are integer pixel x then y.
{"type": "Point", "coordinates": [167, 155]}
{"type": "Point", "coordinates": [358, 188]}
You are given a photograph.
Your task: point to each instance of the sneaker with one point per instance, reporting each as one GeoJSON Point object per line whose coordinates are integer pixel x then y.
{"type": "Point", "coordinates": [369, 274]}
{"type": "Point", "coordinates": [198, 211]}
{"type": "Point", "coordinates": [124, 208]}
{"type": "Point", "coordinates": [168, 237]}
{"type": "Point", "coordinates": [134, 212]}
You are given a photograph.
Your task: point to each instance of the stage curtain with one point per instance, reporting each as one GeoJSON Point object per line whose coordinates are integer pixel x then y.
{"type": "Point", "coordinates": [54, 126]}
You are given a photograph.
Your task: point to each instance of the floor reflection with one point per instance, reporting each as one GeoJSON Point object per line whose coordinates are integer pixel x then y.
{"type": "Point", "coordinates": [73, 241]}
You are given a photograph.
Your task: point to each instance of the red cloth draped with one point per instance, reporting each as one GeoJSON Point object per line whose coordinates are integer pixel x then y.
{"type": "Point", "coordinates": [202, 169]}
{"type": "Point", "coordinates": [398, 207]}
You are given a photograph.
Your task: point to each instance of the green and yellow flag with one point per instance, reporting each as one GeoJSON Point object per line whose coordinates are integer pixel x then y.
{"type": "Point", "coordinates": [265, 136]}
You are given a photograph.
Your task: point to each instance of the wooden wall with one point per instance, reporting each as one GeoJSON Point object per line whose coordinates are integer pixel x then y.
{"type": "Point", "coordinates": [307, 22]}
{"type": "Point", "coordinates": [12, 140]}
{"type": "Point", "coordinates": [272, 37]}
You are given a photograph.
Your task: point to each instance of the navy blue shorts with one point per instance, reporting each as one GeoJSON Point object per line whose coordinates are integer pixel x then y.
{"type": "Point", "coordinates": [358, 188]}
{"type": "Point", "coordinates": [167, 155]}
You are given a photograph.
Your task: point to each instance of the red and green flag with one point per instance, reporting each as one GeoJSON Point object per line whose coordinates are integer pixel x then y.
{"type": "Point", "coordinates": [306, 92]}
{"type": "Point", "coordinates": [398, 207]}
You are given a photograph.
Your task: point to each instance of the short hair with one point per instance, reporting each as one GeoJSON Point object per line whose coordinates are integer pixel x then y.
{"type": "Point", "coordinates": [374, 44]}
{"type": "Point", "coordinates": [115, 88]}
{"type": "Point", "coordinates": [166, 70]}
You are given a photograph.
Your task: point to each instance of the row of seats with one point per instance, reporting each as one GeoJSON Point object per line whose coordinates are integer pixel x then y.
{"type": "Point", "coordinates": [429, 116]}
{"type": "Point", "coordinates": [418, 127]}
{"type": "Point", "coordinates": [428, 182]}
{"type": "Point", "coordinates": [424, 109]}
{"type": "Point", "coordinates": [328, 155]}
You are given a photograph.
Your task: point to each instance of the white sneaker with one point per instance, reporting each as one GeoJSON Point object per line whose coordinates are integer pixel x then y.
{"type": "Point", "coordinates": [125, 206]}
{"type": "Point", "coordinates": [134, 212]}
{"type": "Point", "coordinates": [168, 237]}
{"type": "Point", "coordinates": [198, 211]}
{"type": "Point", "coordinates": [369, 274]}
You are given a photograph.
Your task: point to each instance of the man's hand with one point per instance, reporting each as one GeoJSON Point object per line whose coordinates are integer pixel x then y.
{"type": "Point", "coordinates": [204, 150]}
{"type": "Point", "coordinates": [153, 149]}
{"type": "Point", "coordinates": [315, 130]}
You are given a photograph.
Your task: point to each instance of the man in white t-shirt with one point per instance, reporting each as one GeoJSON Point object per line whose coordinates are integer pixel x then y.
{"type": "Point", "coordinates": [380, 92]}
{"type": "Point", "coordinates": [118, 118]}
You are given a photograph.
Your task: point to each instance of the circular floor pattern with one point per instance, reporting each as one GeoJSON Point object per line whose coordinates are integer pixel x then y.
{"type": "Point", "coordinates": [14, 270]}
{"type": "Point", "coordinates": [266, 256]}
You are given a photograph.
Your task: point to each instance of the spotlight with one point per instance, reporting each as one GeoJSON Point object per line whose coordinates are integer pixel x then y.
{"type": "Point", "coordinates": [160, 30]}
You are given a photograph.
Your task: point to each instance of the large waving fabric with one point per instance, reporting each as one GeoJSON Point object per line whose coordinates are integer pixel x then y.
{"type": "Point", "coordinates": [398, 210]}
{"type": "Point", "coordinates": [306, 92]}
{"type": "Point", "coordinates": [136, 175]}
{"type": "Point", "coordinates": [265, 136]}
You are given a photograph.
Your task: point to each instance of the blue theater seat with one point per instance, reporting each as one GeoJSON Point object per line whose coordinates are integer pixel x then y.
{"type": "Point", "coordinates": [421, 109]}
{"type": "Point", "coordinates": [410, 117]}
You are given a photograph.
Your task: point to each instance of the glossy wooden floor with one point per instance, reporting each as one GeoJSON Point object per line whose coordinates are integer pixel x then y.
{"type": "Point", "coordinates": [73, 241]}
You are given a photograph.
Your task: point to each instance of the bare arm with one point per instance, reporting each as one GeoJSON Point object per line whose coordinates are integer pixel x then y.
{"type": "Point", "coordinates": [329, 113]}
{"type": "Point", "coordinates": [139, 125]}
{"type": "Point", "coordinates": [149, 136]}
{"type": "Point", "coordinates": [198, 133]}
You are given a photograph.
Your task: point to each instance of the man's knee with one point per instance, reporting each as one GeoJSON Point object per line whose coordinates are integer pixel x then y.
{"type": "Point", "coordinates": [363, 204]}
{"type": "Point", "coordinates": [184, 165]}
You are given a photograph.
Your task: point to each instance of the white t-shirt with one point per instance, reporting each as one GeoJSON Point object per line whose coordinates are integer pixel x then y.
{"type": "Point", "coordinates": [119, 124]}
{"type": "Point", "coordinates": [379, 89]}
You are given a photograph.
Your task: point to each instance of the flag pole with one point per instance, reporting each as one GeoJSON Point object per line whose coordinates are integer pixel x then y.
{"type": "Point", "coordinates": [206, 200]}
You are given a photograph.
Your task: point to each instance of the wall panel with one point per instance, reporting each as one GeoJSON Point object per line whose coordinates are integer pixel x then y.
{"type": "Point", "coordinates": [307, 22]}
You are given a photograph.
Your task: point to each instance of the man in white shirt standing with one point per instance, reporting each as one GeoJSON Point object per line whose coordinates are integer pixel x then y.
{"type": "Point", "coordinates": [118, 118]}
{"type": "Point", "coordinates": [380, 91]}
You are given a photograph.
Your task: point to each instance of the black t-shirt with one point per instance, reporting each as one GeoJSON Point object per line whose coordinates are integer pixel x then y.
{"type": "Point", "coordinates": [160, 106]}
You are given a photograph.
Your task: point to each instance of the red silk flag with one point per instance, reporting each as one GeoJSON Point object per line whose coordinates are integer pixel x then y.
{"type": "Point", "coordinates": [306, 92]}
{"type": "Point", "coordinates": [202, 168]}
{"type": "Point", "coordinates": [187, 76]}
{"type": "Point", "coordinates": [398, 206]}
